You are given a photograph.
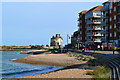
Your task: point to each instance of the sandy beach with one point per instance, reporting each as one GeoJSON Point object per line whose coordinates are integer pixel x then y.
{"type": "Point", "coordinates": [75, 71]}
{"type": "Point", "coordinates": [49, 59]}
{"type": "Point", "coordinates": [67, 73]}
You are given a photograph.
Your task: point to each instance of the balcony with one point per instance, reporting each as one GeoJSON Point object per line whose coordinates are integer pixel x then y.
{"type": "Point", "coordinates": [96, 16]}
{"type": "Point", "coordinates": [98, 34]}
{"type": "Point", "coordinates": [93, 22]}
{"type": "Point", "coordinates": [97, 40]}
{"type": "Point", "coordinates": [98, 28]}
{"type": "Point", "coordinates": [96, 22]}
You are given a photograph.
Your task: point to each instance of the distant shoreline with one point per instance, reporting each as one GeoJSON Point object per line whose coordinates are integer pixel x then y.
{"type": "Point", "coordinates": [17, 49]}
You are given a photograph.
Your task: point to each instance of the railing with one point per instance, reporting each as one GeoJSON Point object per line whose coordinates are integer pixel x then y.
{"type": "Point", "coordinates": [97, 22]}
{"type": "Point", "coordinates": [98, 16]}
{"type": "Point", "coordinates": [98, 28]}
{"type": "Point", "coordinates": [98, 35]}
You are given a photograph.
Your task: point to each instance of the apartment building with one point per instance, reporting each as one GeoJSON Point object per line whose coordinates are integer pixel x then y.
{"type": "Point", "coordinates": [82, 28]}
{"type": "Point", "coordinates": [93, 19]}
{"type": "Point", "coordinates": [99, 26]}
{"type": "Point", "coordinates": [111, 22]}
{"type": "Point", "coordinates": [75, 39]}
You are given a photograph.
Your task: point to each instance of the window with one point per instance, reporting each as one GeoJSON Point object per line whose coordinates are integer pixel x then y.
{"type": "Point", "coordinates": [114, 17]}
{"type": "Point", "coordinates": [110, 26]}
{"type": "Point", "coordinates": [114, 34]}
{"type": "Point", "coordinates": [114, 25]}
{"type": "Point", "coordinates": [110, 34]}
{"type": "Point", "coordinates": [114, 8]}
{"type": "Point", "coordinates": [110, 5]}
{"type": "Point", "coordinates": [110, 19]}
{"type": "Point", "coordinates": [110, 11]}
{"type": "Point", "coordinates": [80, 32]}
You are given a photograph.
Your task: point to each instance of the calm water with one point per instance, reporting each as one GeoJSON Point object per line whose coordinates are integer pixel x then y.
{"type": "Point", "coordinates": [11, 69]}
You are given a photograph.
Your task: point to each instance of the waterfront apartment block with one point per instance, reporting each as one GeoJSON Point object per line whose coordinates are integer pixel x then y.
{"type": "Point", "coordinates": [111, 22]}
{"type": "Point", "coordinates": [99, 26]}
{"type": "Point", "coordinates": [93, 19]}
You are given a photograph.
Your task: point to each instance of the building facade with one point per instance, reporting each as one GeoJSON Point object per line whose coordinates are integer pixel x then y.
{"type": "Point", "coordinates": [82, 27]}
{"type": "Point", "coordinates": [93, 26]}
{"type": "Point", "coordinates": [111, 22]}
{"type": "Point", "coordinates": [99, 26]}
{"type": "Point", "coordinates": [56, 41]}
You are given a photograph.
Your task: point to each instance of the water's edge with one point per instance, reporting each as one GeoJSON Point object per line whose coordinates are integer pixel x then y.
{"type": "Point", "coordinates": [30, 72]}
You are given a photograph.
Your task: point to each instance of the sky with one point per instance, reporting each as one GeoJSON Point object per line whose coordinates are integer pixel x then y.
{"type": "Point", "coordinates": [34, 23]}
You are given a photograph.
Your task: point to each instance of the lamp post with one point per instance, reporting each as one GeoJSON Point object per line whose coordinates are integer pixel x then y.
{"type": "Point", "coordinates": [113, 42]}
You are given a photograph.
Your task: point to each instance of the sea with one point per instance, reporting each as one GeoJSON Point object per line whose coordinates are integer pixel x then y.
{"type": "Point", "coordinates": [9, 69]}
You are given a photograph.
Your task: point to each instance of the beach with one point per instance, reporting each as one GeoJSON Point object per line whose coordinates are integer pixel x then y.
{"type": "Point", "coordinates": [74, 68]}
{"type": "Point", "coordinates": [67, 73]}
{"type": "Point", "coordinates": [49, 59]}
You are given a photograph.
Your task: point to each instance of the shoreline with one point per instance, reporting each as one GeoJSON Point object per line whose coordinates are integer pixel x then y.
{"type": "Point", "coordinates": [69, 64]}
{"type": "Point", "coordinates": [49, 59]}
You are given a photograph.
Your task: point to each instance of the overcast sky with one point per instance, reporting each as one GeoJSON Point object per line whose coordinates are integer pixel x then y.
{"type": "Point", "coordinates": [34, 23]}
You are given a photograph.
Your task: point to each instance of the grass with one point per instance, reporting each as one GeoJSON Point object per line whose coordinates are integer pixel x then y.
{"type": "Point", "coordinates": [80, 56]}
{"type": "Point", "coordinates": [100, 73]}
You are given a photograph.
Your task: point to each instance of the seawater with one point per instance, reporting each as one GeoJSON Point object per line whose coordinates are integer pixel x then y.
{"type": "Point", "coordinates": [11, 69]}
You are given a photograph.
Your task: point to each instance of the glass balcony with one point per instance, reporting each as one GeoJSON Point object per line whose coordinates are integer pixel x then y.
{"type": "Point", "coordinates": [97, 16]}
{"type": "Point", "coordinates": [98, 28]}
{"type": "Point", "coordinates": [98, 34]}
{"type": "Point", "coordinates": [97, 40]}
{"type": "Point", "coordinates": [96, 22]}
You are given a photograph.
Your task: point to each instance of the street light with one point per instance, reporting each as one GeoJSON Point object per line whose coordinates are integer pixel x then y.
{"type": "Point", "coordinates": [113, 42]}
